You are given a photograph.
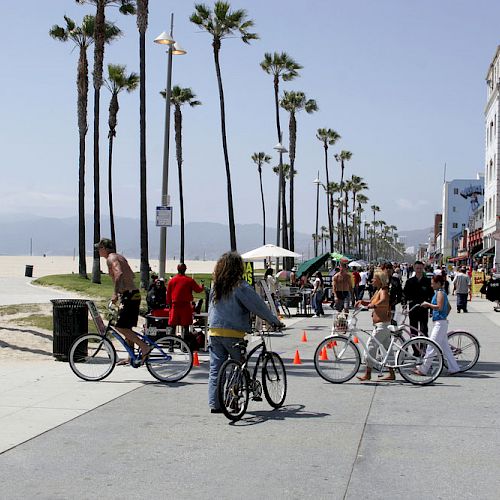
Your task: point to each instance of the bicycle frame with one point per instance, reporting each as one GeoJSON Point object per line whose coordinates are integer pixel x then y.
{"type": "Point", "coordinates": [260, 357]}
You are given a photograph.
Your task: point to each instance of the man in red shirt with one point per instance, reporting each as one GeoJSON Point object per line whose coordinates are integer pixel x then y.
{"type": "Point", "coordinates": [180, 297]}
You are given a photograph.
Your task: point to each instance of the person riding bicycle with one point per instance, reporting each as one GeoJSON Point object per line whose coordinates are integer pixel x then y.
{"type": "Point", "coordinates": [126, 293]}
{"type": "Point", "coordinates": [381, 317]}
{"type": "Point", "coordinates": [231, 301]}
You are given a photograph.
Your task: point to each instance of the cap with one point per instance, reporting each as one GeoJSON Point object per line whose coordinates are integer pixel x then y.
{"type": "Point", "coordinates": [294, 268]}
{"type": "Point", "coordinates": [105, 243]}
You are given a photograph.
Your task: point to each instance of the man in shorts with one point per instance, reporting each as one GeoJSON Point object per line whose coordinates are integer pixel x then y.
{"type": "Point", "coordinates": [342, 289]}
{"type": "Point", "coordinates": [125, 291]}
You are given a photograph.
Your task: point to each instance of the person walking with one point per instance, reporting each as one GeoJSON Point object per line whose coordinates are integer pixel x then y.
{"type": "Point", "coordinates": [356, 279]}
{"type": "Point", "coordinates": [417, 290]}
{"type": "Point", "coordinates": [395, 288]}
{"type": "Point", "coordinates": [126, 293]}
{"type": "Point", "coordinates": [231, 301]}
{"type": "Point", "coordinates": [362, 284]}
{"type": "Point", "coordinates": [440, 309]}
{"type": "Point", "coordinates": [180, 290]}
{"type": "Point", "coordinates": [381, 317]}
{"type": "Point", "coordinates": [317, 296]}
{"type": "Point", "coordinates": [461, 287]}
{"type": "Point", "coordinates": [342, 288]}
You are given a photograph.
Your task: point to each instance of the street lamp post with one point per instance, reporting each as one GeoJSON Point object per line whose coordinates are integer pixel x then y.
{"type": "Point", "coordinates": [316, 236]}
{"type": "Point", "coordinates": [173, 49]}
{"type": "Point", "coordinates": [280, 149]}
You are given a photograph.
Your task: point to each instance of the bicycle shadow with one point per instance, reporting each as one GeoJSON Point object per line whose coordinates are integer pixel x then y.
{"type": "Point", "coordinates": [283, 413]}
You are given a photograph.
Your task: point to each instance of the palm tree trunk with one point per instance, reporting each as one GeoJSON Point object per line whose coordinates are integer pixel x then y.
{"type": "Point", "coordinates": [329, 200]}
{"type": "Point", "coordinates": [263, 207]}
{"type": "Point", "coordinates": [144, 267]}
{"type": "Point", "coordinates": [178, 151]}
{"type": "Point", "coordinates": [293, 144]}
{"type": "Point", "coordinates": [348, 246]}
{"type": "Point", "coordinates": [83, 89]}
{"type": "Point", "coordinates": [279, 222]}
{"type": "Point", "coordinates": [232, 227]}
{"type": "Point", "coordinates": [110, 189]}
{"type": "Point", "coordinates": [341, 193]}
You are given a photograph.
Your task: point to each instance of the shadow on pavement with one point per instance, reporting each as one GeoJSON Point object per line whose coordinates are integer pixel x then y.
{"type": "Point", "coordinates": [23, 330]}
{"type": "Point", "coordinates": [283, 413]}
{"type": "Point", "coordinates": [24, 349]}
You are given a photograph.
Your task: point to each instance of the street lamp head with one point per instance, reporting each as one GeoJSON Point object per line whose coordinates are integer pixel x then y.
{"type": "Point", "coordinates": [280, 148]}
{"type": "Point", "coordinates": [178, 50]}
{"type": "Point", "coordinates": [317, 181]}
{"type": "Point", "coordinates": [164, 39]}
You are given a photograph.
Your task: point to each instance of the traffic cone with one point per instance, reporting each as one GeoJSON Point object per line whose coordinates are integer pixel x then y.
{"type": "Point", "coordinates": [196, 361]}
{"type": "Point", "coordinates": [324, 355]}
{"type": "Point", "coordinates": [355, 340]}
{"type": "Point", "coordinates": [296, 359]}
{"type": "Point", "coordinates": [304, 336]}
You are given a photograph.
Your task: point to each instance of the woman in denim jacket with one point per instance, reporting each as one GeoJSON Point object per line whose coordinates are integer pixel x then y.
{"type": "Point", "coordinates": [231, 301]}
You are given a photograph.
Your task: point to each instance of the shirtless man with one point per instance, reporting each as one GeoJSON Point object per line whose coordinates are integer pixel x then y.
{"type": "Point", "coordinates": [342, 288]}
{"type": "Point", "coordinates": [128, 294]}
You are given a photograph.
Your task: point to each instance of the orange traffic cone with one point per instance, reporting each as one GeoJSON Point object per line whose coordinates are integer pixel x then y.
{"type": "Point", "coordinates": [296, 359]}
{"type": "Point", "coordinates": [324, 355]}
{"type": "Point", "coordinates": [355, 340]}
{"type": "Point", "coordinates": [196, 361]}
{"type": "Point", "coordinates": [331, 344]}
{"type": "Point", "coordinates": [304, 336]}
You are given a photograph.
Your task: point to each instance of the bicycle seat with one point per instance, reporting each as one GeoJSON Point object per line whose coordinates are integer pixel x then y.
{"type": "Point", "coordinates": [242, 344]}
{"type": "Point", "coordinates": [396, 328]}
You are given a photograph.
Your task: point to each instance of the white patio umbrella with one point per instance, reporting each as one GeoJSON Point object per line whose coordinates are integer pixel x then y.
{"type": "Point", "coordinates": [356, 263]}
{"type": "Point", "coordinates": [267, 251]}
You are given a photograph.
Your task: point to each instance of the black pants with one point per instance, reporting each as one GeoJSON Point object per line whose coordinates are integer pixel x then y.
{"type": "Point", "coordinates": [419, 319]}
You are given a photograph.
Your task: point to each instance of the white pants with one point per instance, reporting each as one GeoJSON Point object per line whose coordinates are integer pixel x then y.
{"type": "Point", "coordinates": [440, 335]}
{"type": "Point", "coordinates": [382, 333]}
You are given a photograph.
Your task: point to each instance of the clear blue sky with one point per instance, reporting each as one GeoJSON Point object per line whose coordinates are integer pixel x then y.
{"type": "Point", "coordinates": [401, 81]}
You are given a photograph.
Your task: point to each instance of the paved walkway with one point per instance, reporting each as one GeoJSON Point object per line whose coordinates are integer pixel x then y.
{"type": "Point", "coordinates": [140, 438]}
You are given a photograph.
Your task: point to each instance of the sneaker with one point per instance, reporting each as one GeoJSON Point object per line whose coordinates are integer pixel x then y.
{"type": "Point", "coordinates": [315, 316]}
{"type": "Point", "coordinates": [215, 410]}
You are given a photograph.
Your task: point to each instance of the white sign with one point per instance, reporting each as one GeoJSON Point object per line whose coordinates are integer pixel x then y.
{"type": "Point", "coordinates": [164, 216]}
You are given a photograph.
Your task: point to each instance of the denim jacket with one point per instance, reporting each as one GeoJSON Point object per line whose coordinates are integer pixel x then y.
{"type": "Point", "coordinates": [233, 311]}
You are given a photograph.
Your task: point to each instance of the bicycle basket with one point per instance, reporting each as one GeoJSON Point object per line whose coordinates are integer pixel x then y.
{"type": "Point", "coordinates": [340, 323]}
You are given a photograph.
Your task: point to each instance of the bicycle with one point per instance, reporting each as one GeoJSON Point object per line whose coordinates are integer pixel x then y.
{"type": "Point", "coordinates": [93, 356]}
{"type": "Point", "coordinates": [464, 345]}
{"type": "Point", "coordinates": [337, 358]}
{"type": "Point", "coordinates": [234, 382]}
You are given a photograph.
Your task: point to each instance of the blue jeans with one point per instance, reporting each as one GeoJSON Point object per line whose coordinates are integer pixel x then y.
{"type": "Point", "coordinates": [220, 349]}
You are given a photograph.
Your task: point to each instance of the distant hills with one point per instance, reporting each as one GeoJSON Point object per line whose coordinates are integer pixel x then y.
{"type": "Point", "coordinates": [20, 234]}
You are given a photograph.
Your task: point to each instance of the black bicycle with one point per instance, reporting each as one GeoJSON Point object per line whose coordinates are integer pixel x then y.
{"type": "Point", "coordinates": [235, 383]}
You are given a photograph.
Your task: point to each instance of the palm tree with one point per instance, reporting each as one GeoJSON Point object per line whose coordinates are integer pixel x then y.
{"type": "Point", "coordinates": [116, 82]}
{"type": "Point", "coordinates": [374, 209]}
{"type": "Point", "coordinates": [223, 23]}
{"type": "Point", "coordinates": [332, 188]}
{"type": "Point", "coordinates": [293, 102]}
{"type": "Point", "coordinates": [357, 185]}
{"type": "Point", "coordinates": [328, 137]}
{"type": "Point", "coordinates": [179, 97]}
{"type": "Point", "coordinates": [82, 38]}
{"type": "Point", "coordinates": [259, 159]}
{"type": "Point", "coordinates": [280, 65]}
{"type": "Point", "coordinates": [361, 199]}
{"type": "Point", "coordinates": [126, 7]}
{"type": "Point", "coordinates": [323, 236]}
{"type": "Point", "coordinates": [342, 158]}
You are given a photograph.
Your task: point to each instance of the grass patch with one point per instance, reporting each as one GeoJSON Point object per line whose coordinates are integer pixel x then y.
{"type": "Point", "coordinates": [18, 309]}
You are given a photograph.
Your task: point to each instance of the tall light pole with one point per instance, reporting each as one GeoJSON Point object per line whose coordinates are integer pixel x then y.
{"type": "Point", "coordinates": [280, 149]}
{"type": "Point", "coordinates": [316, 236]}
{"type": "Point", "coordinates": [173, 49]}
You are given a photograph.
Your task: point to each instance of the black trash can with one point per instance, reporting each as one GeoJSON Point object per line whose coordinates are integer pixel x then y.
{"type": "Point", "coordinates": [28, 272]}
{"type": "Point", "coordinates": [70, 317]}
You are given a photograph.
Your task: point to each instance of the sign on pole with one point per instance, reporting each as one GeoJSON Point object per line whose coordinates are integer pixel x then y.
{"type": "Point", "coordinates": [164, 216]}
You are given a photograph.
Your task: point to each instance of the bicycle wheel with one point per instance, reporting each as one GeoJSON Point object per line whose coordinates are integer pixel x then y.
{"type": "Point", "coordinates": [92, 357]}
{"type": "Point", "coordinates": [274, 379]}
{"type": "Point", "coordinates": [232, 389]}
{"type": "Point", "coordinates": [170, 360]}
{"type": "Point", "coordinates": [412, 356]}
{"type": "Point", "coordinates": [465, 348]}
{"type": "Point", "coordinates": [341, 361]}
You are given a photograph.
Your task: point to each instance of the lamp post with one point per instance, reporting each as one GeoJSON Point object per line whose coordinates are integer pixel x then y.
{"type": "Point", "coordinates": [316, 236]}
{"type": "Point", "coordinates": [173, 49]}
{"type": "Point", "coordinates": [280, 149]}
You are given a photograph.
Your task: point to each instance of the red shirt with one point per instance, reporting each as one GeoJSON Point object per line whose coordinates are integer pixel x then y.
{"type": "Point", "coordinates": [357, 277]}
{"type": "Point", "coordinates": [179, 296]}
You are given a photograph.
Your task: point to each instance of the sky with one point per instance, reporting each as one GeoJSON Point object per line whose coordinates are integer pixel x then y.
{"type": "Point", "coordinates": [402, 82]}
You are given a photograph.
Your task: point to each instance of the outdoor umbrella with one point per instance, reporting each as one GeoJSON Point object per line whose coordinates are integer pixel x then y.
{"type": "Point", "coordinates": [268, 250]}
{"type": "Point", "coordinates": [356, 263]}
{"type": "Point", "coordinates": [338, 256]}
{"type": "Point", "coordinates": [283, 275]}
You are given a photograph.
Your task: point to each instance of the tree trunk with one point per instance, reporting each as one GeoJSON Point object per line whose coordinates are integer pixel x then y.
{"type": "Point", "coordinates": [329, 205]}
{"type": "Point", "coordinates": [112, 121]}
{"type": "Point", "coordinates": [83, 89]}
{"type": "Point", "coordinates": [293, 145]}
{"type": "Point", "coordinates": [232, 227]}
{"type": "Point", "coordinates": [178, 151]}
{"type": "Point", "coordinates": [280, 173]}
{"type": "Point", "coordinates": [142, 26]}
{"type": "Point", "coordinates": [348, 245]}
{"type": "Point", "coordinates": [341, 193]}
{"type": "Point", "coordinates": [263, 207]}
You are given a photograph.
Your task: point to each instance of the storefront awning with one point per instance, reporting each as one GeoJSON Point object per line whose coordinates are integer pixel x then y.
{"type": "Point", "coordinates": [485, 253]}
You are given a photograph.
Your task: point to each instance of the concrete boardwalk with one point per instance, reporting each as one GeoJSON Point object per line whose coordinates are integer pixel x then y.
{"type": "Point", "coordinates": [383, 441]}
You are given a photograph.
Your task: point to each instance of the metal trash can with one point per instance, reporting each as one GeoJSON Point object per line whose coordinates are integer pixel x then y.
{"type": "Point", "coordinates": [70, 318]}
{"type": "Point", "coordinates": [28, 271]}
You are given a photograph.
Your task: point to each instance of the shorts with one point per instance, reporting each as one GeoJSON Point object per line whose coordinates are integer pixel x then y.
{"type": "Point", "coordinates": [129, 309]}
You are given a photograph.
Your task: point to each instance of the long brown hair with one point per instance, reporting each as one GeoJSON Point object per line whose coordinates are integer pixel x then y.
{"type": "Point", "coordinates": [227, 274]}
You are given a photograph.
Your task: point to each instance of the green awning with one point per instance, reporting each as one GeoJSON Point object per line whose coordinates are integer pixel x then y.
{"type": "Point", "coordinates": [312, 265]}
{"type": "Point", "coordinates": [484, 253]}
{"type": "Point", "coordinates": [338, 256]}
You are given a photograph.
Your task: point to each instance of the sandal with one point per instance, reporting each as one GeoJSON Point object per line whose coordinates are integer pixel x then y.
{"type": "Point", "coordinates": [123, 362]}
{"type": "Point", "coordinates": [145, 355]}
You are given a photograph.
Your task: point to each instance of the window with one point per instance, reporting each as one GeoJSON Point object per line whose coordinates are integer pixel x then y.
{"type": "Point", "coordinates": [455, 225]}
{"type": "Point", "coordinates": [454, 209]}
{"type": "Point", "coordinates": [455, 191]}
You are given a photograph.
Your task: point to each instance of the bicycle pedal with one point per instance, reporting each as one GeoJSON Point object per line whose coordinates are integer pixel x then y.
{"type": "Point", "coordinates": [256, 398]}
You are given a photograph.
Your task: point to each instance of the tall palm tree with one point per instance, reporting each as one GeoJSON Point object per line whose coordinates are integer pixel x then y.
{"type": "Point", "coordinates": [332, 201]}
{"type": "Point", "coordinates": [126, 7]}
{"type": "Point", "coordinates": [328, 137]}
{"type": "Point", "coordinates": [374, 209]}
{"type": "Point", "coordinates": [259, 159]}
{"type": "Point", "coordinates": [117, 81]}
{"type": "Point", "coordinates": [223, 23]}
{"type": "Point", "coordinates": [82, 37]}
{"type": "Point", "coordinates": [293, 102]}
{"type": "Point", "coordinates": [357, 185]}
{"type": "Point", "coordinates": [323, 236]}
{"type": "Point", "coordinates": [361, 200]}
{"type": "Point", "coordinates": [179, 97]}
{"type": "Point", "coordinates": [342, 158]}
{"type": "Point", "coordinates": [280, 66]}
{"type": "Point", "coordinates": [347, 189]}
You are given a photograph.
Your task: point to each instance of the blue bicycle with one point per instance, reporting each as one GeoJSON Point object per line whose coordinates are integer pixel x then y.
{"type": "Point", "coordinates": [93, 356]}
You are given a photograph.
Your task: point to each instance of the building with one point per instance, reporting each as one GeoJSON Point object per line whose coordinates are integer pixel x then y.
{"type": "Point", "coordinates": [461, 198]}
{"type": "Point", "coordinates": [491, 222]}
